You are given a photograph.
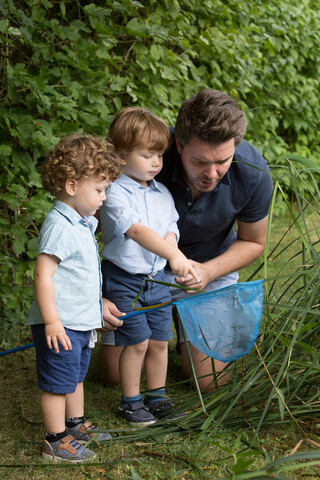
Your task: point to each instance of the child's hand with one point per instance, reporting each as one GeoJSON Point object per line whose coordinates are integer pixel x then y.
{"type": "Point", "coordinates": [181, 266]}
{"type": "Point", "coordinates": [55, 332]}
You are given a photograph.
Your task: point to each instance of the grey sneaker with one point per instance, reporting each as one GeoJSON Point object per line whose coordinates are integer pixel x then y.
{"type": "Point", "coordinates": [85, 431]}
{"type": "Point", "coordinates": [165, 408]}
{"type": "Point", "coordinates": [136, 414]}
{"type": "Point", "coordinates": [66, 450]}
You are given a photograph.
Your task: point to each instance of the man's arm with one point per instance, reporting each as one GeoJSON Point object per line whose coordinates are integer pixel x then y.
{"type": "Point", "coordinates": [248, 246]}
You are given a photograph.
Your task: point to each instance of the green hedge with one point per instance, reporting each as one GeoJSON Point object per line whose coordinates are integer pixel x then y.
{"type": "Point", "coordinates": [69, 66]}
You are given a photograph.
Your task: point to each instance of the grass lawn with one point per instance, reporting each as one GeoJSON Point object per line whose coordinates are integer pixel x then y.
{"type": "Point", "coordinates": [162, 452]}
{"type": "Point", "coordinates": [183, 455]}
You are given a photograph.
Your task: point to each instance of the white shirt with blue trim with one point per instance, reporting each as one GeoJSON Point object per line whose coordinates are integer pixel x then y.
{"type": "Point", "coordinates": [128, 203]}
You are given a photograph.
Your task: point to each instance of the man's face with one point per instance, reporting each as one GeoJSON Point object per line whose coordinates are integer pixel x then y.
{"type": "Point", "coordinates": [205, 164]}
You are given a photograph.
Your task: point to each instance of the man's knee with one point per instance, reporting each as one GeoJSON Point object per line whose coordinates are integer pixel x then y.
{"type": "Point", "coordinates": [109, 364]}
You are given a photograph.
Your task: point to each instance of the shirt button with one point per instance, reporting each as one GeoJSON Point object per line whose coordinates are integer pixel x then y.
{"type": "Point", "coordinates": [189, 204]}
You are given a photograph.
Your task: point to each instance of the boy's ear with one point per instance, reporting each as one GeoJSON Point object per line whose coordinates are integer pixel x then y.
{"type": "Point", "coordinates": [71, 186]}
{"type": "Point", "coordinates": [122, 157]}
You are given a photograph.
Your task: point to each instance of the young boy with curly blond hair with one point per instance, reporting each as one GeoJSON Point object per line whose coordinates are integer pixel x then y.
{"type": "Point", "coordinates": [68, 308]}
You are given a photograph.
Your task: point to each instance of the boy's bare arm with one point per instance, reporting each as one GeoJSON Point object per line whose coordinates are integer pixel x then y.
{"type": "Point", "coordinates": [46, 266]}
{"type": "Point", "coordinates": [153, 242]}
{"type": "Point", "coordinates": [171, 238]}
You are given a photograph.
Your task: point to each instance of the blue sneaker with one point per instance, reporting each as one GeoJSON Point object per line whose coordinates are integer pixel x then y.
{"type": "Point", "coordinates": [165, 408]}
{"type": "Point", "coordinates": [136, 414]}
{"type": "Point", "coordinates": [66, 450]}
{"type": "Point", "coordinates": [85, 431]}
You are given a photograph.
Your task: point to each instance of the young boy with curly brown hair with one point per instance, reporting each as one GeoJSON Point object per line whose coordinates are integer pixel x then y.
{"type": "Point", "coordinates": [67, 307]}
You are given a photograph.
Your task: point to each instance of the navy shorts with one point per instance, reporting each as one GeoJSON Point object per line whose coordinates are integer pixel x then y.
{"type": "Point", "coordinates": [61, 372]}
{"type": "Point", "coordinates": [122, 288]}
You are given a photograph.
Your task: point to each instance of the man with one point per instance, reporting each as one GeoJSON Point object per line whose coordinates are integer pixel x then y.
{"type": "Point", "coordinates": [217, 180]}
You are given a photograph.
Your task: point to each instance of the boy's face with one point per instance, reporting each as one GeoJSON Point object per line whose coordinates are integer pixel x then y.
{"type": "Point", "coordinates": [142, 164]}
{"type": "Point", "coordinates": [87, 195]}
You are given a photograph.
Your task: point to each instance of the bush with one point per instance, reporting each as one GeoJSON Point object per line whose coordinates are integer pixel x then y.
{"type": "Point", "coordinates": [69, 66]}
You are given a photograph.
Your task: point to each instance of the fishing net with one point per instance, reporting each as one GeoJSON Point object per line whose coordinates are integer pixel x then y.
{"type": "Point", "coordinates": [223, 324]}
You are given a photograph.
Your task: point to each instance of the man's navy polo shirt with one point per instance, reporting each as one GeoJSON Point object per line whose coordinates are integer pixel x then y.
{"type": "Point", "coordinates": [207, 225]}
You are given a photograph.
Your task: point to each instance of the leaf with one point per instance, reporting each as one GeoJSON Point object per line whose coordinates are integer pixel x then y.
{"type": "Point", "coordinates": [5, 150]}
{"type": "Point", "coordinates": [134, 474]}
{"type": "Point", "coordinates": [302, 160]}
{"type": "Point", "coordinates": [137, 26]}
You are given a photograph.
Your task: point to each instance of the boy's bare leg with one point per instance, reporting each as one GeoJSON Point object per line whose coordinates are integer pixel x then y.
{"type": "Point", "coordinates": [53, 408]}
{"type": "Point", "coordinates": [109, 364]}
{"type": "Point", "coordinates": [203, 366]}
{"type": "Point", "coordinates": [156, 364]}
{"type": "Point", "coordinates": [130, 365]}
{"type": "Point", "coordinates": [75, 402]}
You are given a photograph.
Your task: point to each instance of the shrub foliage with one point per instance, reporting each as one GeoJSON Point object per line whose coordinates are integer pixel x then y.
{"type": "Point", "coordinates": [69, 65]}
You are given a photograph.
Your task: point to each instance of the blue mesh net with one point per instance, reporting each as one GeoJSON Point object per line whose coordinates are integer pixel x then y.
{"type": "Point", "coordinates": [223, 324]}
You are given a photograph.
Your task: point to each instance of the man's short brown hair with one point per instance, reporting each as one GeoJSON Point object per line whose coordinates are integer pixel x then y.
{"type": "Point", "coordinates": [79, 157]}
{"type": "Point", "coordinates": [212, 116]}
{"type": "Point", "coordinates": [134, 127]}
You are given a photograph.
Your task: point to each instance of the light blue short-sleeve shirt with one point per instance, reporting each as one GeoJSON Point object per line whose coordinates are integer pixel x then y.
{"type": "Point", "coordinates": [127, 202]}
{"type": "Point", "coordinates": [77, 280]}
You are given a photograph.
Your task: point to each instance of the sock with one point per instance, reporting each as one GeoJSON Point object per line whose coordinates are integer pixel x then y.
{"type": "Point", "coordinates": [74, 421]}
{"type": "Point", "coordinates": [54, 437]}
{"type": "Point", "coordinates": [153, 396]}
{"type": "Point", "coordinates": [126, 400]}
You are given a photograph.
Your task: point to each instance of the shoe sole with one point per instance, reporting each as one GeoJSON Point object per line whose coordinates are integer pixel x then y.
{"type": "Point", "coordinates": [55, 459]}
{"type": "Point", "coordinates": [138, 424]}
{"type": "Point", "coordinates": [141, 424]}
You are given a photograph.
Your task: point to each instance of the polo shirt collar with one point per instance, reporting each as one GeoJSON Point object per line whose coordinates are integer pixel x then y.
{"type": "Point", "coordinates": [72, 215]}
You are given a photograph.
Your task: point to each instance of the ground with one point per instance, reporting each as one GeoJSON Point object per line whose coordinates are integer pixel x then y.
{"type": "Point", "coordinates": [166, 456]}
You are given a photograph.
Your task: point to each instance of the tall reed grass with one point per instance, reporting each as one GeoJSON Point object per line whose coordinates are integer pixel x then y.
{"type": "Point", "coordinates": [279, 380]}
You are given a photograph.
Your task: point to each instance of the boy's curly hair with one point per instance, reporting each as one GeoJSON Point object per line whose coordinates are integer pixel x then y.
{"type": "Point", "coordinates": [79, 157]}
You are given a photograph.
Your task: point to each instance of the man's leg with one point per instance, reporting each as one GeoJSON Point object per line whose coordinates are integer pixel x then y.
{"type": "Point", "coordinates": [203, 366]}
{"type": "Point", "coordinates": [109, 364]}
{"type": "Point", "coordinates": [202, 363]}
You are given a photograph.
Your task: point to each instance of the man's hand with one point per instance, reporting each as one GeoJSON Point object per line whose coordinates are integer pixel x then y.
{"type": "Point", "coordinates": [55, 332]}
{"type": "Point", "coordinates": [110, 314]}
{"type": "Point", "coordinates": [202, 273]}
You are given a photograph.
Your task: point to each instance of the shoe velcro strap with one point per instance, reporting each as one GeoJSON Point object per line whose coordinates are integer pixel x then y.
{"type": "Point", "coordinates": [138, 406]}
{"type": "Point", "coordinates": [65, 445]}
{"type": "Point", "coordinates": [85, 426]}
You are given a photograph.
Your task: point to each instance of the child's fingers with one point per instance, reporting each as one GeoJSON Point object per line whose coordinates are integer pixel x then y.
{"type": "Point", "coordinates": [194, 274]}
{"type": "Point", "coordinates": [54, 343]}
{"type": "Point", "coordinates": [69, 344]}
{"type": "Point", "coordinates": [49, 343]}
{"type": "Point", "coordinates": [65, 342]}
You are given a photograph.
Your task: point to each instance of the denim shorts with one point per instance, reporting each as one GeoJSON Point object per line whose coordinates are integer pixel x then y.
{"type": "Point", "coordinates": [122, 288]}
{"type": "Point", "coordinates": [108, 338]}
{"type": "Point", "coordinates": [61, 372]}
